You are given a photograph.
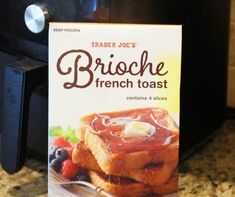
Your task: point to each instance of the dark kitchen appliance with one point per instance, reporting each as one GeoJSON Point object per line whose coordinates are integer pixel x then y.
{"type": "Point", "coordinates": [23, 63]}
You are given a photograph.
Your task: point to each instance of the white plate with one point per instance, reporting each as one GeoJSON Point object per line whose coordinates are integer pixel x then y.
{"type": "Point", "coordinates": [58, 191]}
{"type": "Point", "coordinates": [75, 191]}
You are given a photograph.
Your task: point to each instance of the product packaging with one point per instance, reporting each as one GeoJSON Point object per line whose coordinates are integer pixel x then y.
{"type": "Point", "coordinates": [114, 95]}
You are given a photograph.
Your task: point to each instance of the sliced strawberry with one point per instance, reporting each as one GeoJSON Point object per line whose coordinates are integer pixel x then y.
{"type": "Point", "coordinates": [60, 142]}
{"type": "Point", "coordinates": [69, 169]}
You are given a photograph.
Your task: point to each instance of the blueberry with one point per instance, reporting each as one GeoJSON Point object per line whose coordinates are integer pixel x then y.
{"type": "Point", "coordinates": [61, 154]}
{"type": "Point", "coordinates": [56, 164]}
{"type": "Point", "coordinates": [83, 176]}
{"type": "Point", "coordinates": [52, 153]}
{"type": "Point", "coordinates": [53, 150]}
{"type": "Point", "coordinates": [51, 157]}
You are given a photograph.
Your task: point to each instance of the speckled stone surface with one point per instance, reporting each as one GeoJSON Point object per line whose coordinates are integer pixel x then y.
{"type": "Point", "coordinates": [208, 173]}
{"type": "Point", "coordinates": [31, 181]}
{"type": "Point", "coordinates": [211, 171]}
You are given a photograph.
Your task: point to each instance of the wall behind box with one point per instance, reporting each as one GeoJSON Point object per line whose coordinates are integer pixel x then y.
{"type": "Point", "coordinates": [231, 68]}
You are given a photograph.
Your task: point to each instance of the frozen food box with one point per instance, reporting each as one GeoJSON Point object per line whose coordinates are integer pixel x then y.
{"type": "Point", "coordinates": [114, 109]}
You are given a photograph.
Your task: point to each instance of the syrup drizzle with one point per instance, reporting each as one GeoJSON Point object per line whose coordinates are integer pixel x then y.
{"type": "Point", "coordinates": [110, 130]}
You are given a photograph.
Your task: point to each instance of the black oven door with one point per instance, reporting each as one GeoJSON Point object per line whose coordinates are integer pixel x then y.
{"type": "Point", "coordinates": [20, 77]}
{"type": "Point", "coordinates": [24, 102]}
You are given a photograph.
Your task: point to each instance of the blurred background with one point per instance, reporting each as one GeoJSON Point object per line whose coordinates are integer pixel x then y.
{"type": "Point", "coordinates": [231, 65]}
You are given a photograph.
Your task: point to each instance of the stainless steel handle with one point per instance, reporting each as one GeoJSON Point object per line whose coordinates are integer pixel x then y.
{"type": "Point", "coordinates": [36, 18]}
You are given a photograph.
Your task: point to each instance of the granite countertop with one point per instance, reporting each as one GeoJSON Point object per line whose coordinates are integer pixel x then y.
{"type": "Point", "coordinates": [211, 171]}
{"type": "Point", "coordinates": [208, 173]}
{"type": "Point", "coordinates": [30, 181]}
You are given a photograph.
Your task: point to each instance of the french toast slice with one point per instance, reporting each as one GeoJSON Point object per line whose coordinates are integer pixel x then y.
{"type": "Point", "coordinates": [83, 157]}
{"type": "Point", "coordinates": [151, 175]}
{"type": "Point", "coordinates": [124, 187]}
{"type": "Point", "coordinates": [170, 186]}
{"type": "Point", "coordinates": [117, 154]}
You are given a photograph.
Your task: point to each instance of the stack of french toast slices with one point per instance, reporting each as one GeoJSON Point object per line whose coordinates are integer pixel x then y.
{"type": "Point", "coordinates": [130, 153]}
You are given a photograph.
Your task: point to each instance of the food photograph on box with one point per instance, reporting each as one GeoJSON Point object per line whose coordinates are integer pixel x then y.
{"type": "Point", "coordinates": [114, 109]}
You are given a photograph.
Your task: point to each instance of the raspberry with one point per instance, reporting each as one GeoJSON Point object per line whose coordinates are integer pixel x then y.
{"type": "Point", "coordinates": [69, 169]}
{"type": "Point", "coordinates": [60, 142]}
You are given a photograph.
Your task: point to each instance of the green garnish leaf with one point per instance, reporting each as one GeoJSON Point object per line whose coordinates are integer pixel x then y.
{"type": "Point", "coordinates": [70, 135]}
{"type": "Point", "coordinates": [56, 131]}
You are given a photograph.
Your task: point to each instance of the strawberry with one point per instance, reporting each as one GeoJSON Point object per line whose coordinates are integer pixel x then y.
{"type": "Point", "coordinates": [60, 142]}
{"type": "Point", "coordinates": [69, 169]}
